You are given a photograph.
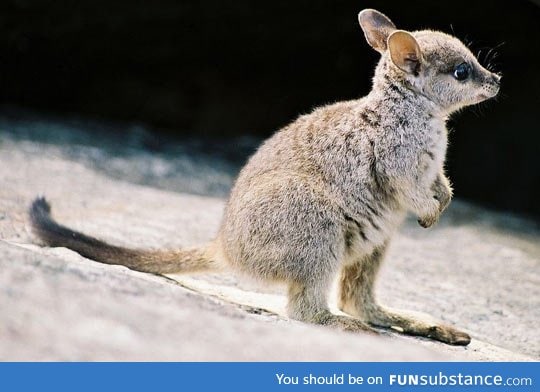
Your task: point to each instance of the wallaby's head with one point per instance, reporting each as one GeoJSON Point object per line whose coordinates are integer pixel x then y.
{"type": "Point", "coordinates": [433, 64]}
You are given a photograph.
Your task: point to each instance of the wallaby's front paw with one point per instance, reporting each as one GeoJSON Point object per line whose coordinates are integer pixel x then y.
{"type": "Point", "coordinates": [444, 199]}
{"type": "Point", "coordinates": [429, 213]}
{"type": "Point", "coordinates": [428, 221]}
{"type": "Point", "coordinates": [442, 192]}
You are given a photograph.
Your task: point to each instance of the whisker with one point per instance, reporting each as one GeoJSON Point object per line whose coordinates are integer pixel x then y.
{"type": "Point", "coordinates": [479, 54]}
{"type": "Point", "coordinates": [499, 45]}
{"type": "Point", "coordinates": [492, 54]}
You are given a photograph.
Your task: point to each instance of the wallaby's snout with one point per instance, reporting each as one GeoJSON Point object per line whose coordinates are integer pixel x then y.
{"type": "Point", "coordinates": [496, 81]}
{"type": "Point", "coordinates": [491, 85]}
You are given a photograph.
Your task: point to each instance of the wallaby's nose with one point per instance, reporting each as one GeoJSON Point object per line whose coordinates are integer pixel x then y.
{"type": "Point", "coordinates": [496, 79]}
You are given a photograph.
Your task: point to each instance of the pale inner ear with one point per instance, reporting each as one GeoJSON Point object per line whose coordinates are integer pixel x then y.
{"type": "Point", "coordinates": [404, 51]}
{"type": "Point", "coordinates": [377, 27]}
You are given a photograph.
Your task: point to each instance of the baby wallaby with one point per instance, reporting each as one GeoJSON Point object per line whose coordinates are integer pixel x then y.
{"type": "Point", "coordinates": [323, 196]}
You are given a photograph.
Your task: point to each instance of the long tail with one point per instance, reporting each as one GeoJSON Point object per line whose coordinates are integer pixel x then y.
{"type": "Point", "coordinates": [157, 262]}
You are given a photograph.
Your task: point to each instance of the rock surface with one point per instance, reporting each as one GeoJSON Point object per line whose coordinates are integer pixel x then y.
{"type": "Point", "coordinates": [477, 269]}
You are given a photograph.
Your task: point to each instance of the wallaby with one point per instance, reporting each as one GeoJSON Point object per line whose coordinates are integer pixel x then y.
{"type": "Point", "coordinates": [323, 196]}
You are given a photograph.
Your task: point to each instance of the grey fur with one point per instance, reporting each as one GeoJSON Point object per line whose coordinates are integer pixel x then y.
{"type": "Point", "coordinates": [326, 193]}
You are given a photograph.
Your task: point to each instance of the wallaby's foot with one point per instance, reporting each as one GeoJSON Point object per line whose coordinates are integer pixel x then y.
{"type": "Point", "coordinates": [344, 323]}
{"type": "Point", "coordinates": [446, 334]}
{"type": "Point", "coordinates": [307, 303]}
{"type": "Point", "coordinates": [356, 298]}
{"type": "Point", "coordinates": [442, 333]}
{"type": "Point", "coordinates": [413, 326]}
{"type": "Point", "coordinates": [349, 324]}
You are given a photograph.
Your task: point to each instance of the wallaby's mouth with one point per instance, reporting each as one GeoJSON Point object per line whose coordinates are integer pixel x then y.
{"type": "Point", "coordinates": [489, 88]}
{"type": "Point", "coordinates": [485, 96]}
{"type": "Point", "coordinates": [482, 98]}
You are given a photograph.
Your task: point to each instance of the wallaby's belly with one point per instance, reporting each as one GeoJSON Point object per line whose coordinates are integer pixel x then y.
{"type": "Point", "coordinates": [366, 232]}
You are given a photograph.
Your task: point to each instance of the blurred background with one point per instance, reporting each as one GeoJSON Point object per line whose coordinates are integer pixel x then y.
{"type": "Point", "coordinates": [214, 70]}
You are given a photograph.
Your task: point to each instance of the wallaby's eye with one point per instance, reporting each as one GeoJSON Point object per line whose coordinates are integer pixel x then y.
{"type": "Point", "coordinates": [462, 71]}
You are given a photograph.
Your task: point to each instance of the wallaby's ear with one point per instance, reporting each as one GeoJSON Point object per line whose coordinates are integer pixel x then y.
{"type": "Point", "coordinates": [404, 51]}
{"type": "Point", "coordinates": [377, 27]}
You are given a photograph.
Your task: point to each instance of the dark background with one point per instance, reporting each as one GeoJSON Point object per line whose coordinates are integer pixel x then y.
{"type": "Point", "coordinates": [221, 69]}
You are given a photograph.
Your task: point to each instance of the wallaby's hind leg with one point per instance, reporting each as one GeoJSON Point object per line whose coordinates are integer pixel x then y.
{"type": "Point", "coordinates": [308, 303]}
{"type": "Point", "coordinates": [357, 298]}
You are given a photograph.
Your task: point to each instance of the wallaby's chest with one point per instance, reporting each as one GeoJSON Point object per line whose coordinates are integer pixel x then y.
{"type": "Point", "coordinates": [431, 149]}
